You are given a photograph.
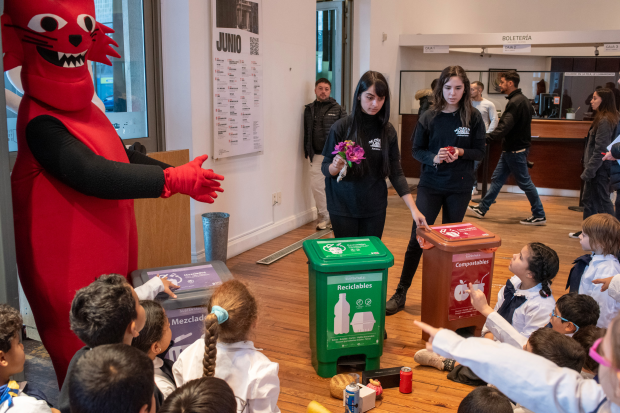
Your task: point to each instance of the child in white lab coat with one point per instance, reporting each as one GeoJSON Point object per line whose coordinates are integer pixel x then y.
{"type": "Point", "coordinates": [154, 340]}
{"type": "Point", "coordinates": [226, 353]}
{"type": "Point", "coordinates": [525, 302]}
{"type": "Point", "coordinates": [601, 235]}
{"type": "Point", "coordinates": [532, 381]}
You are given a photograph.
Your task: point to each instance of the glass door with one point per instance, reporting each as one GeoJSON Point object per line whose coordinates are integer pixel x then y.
{"type": "Point", "coordinates": [329, 28]}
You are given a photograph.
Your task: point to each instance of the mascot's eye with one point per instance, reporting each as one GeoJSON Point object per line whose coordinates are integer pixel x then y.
{"type": "Point", "coordinates": [86, 22]}
{"type": "Point", "coordinates": [42, 23]}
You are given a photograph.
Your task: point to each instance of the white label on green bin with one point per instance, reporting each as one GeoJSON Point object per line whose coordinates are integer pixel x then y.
{"type": "Point", "coordinates": [348, 248]}
{"type": "Point", "coordinates": [353, 310]}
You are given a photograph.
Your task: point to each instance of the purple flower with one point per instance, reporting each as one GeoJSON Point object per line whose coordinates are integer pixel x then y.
{"type": "Point", "coordinates": [355, 154]}
{"type": "Point", "coordinates": [343, 146]}
{"type": "Point", "coordinates": [340, 147]}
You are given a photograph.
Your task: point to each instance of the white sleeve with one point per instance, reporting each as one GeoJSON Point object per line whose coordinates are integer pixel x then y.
{"type": "Point", "coordinates": [165, 386]}
{"type": "Point", "coordinates": [264, 397]}
{"type": "Point", "coordinates": [150, 289]}
{"type": "Point", "coordinates": [503, 331]}
{"type": "Point", "coordinates": [530, 380]}
{"type": "Point", "coordinates": [500, 301]}
{"type": "Point", "coordinates": [614, 288]}
{"type": "Point", "coordinates": [177, 372]}
{"type": "Point", "coordinates": [26, 404]}
{"type": "Point", "coordinates": [493, 120]}
{"type": "Point", "coordinates": [534, 316]}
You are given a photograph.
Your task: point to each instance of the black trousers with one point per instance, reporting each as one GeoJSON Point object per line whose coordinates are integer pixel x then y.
{"type": "Point", "coordinates": [596, 194]}
{"type": "Point", "coordinates": [430, 201]}
{"type": "Point", "coordinates": [347, 227]}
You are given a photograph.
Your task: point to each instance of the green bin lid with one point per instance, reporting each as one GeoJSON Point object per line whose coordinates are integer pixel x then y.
{"type": "Point", "coordinates": [348, 254]}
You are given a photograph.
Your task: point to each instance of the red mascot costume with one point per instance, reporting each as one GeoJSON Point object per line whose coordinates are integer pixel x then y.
{"type": "Point", "coordinates": [74, 182]}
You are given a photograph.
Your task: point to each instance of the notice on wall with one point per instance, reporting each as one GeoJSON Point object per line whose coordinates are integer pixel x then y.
{"type": "Point", "coordinates": [353, 310]}
{"type": "Point", "coordinates": [590, 74]}
{"type": "Point", "coordinates": [475, 268]}
{"type": "Point", "coordinates": [436, 49]}
{"type": "Point", "coordinates": [611, 48]}
{"type": "Point", "coordinates": [517, 48]}
{"type": "Point", "coordinates": [237, 77]}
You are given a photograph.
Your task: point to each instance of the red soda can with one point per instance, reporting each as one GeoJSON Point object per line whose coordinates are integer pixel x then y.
{"type": "Point", "coordinates": [406, 378]}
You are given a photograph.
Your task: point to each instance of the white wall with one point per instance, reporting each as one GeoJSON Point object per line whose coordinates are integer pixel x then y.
{"type": "Point", "coordinates": [395, 17]}
{"type": "Point", "coordinates": [289, 52]}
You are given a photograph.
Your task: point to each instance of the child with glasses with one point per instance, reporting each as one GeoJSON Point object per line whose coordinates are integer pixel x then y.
{"type": "Point", "coordinates": [571, 312]}
{"type": "Point", "coordinates": [524, 304]}
{"type": "Point", "coordinates": [532, 381]}
{"type": "Point", "coordinates": [574, 311]}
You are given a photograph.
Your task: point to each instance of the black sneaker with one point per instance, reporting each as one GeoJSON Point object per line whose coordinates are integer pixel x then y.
{"type": "Point", "coordinates": [574, 234]}
{"type": "Point", "coordinates": [397, 302]}
{"type": "Point", "coordinates": [476, 211]}
{"type": "Point", "coordinates": [534, 221]}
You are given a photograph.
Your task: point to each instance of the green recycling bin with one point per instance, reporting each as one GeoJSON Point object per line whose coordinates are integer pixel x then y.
{"type": "Point", "coordinates": [348, 285]}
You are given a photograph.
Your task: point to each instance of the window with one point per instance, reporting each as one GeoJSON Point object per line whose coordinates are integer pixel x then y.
{"type": "Point", "coordinates": [129, 89]}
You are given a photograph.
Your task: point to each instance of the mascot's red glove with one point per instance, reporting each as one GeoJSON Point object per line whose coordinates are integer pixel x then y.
{"type": "Point", "coordinates": [190, 179]}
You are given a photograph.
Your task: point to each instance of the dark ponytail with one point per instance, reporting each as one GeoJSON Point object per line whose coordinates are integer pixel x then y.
{"type": "Point", "coordinates": [544, 264]}
{"type": "Point", "coordinates": [153, 329]}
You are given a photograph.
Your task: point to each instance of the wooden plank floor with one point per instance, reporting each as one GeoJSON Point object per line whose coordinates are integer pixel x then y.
{"type": "Point", "coordinates": [282, 290]}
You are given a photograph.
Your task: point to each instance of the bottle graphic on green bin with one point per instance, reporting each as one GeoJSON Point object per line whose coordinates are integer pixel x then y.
{"type": "Point", "coordinates": [341, 315]}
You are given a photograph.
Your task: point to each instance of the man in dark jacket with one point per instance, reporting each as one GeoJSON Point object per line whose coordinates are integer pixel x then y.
{"type": "Point", "coordinates": [319, 116]}
{"type": "Point", "coordinates": [515, 127]}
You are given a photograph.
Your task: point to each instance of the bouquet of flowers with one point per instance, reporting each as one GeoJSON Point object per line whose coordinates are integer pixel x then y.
{"type": "Point", "coordinates": [351, 153]}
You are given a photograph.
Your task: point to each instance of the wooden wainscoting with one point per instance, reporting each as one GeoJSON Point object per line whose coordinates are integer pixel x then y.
{"type": "Point", "coordinates": [164, 225]}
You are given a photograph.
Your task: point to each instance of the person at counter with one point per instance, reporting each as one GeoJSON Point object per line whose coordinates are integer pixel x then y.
{"type": "Point", "coordinates": [448, 139]}
{"type": "Point", "coordinates": [515, 127]}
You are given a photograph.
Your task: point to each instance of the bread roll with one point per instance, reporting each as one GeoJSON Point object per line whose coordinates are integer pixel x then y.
{"type": "Point", "coordinates": [339, 382]}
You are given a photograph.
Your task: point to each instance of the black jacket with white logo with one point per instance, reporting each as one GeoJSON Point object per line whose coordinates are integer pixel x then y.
{"type": "Point", "coordinates": [436, 131]}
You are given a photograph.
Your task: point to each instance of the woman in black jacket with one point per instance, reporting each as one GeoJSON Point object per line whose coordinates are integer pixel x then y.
{"type": "Point", "coordinates": [449, 137]}
{"type": "Point", "coordinates": [596, 171]}
{"type": "Point", "coordinates": [357, 204]}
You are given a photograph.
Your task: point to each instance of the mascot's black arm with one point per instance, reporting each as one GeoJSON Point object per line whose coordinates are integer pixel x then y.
{"type": "Point", "coordinates": [141, 159]}
{"type": "Point", "coordinates": [74, 164]}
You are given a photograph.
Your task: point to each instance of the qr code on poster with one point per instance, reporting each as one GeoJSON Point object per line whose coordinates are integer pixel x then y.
{"type": "Point", "coordinates": [254, 46]}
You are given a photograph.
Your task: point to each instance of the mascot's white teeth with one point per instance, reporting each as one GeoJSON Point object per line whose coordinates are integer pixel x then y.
{"type": "Point", "coordinates": [69, 60]}
{"type": "Point", "coordinates": [72, 60]}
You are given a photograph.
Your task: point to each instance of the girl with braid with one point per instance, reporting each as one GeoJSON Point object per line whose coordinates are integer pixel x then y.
{"type": "Point", "coordinates": [225, 352]}
{"type": "Point", "coordinates": [525, 301]}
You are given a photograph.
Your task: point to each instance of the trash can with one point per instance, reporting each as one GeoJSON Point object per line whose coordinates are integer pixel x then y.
{"type": "Point", "coordinates": [348, 284]}
{"type": "Point", "coordinates": [186, 313]}
{"type": "Point", "coordinates": [215, 230]}
{"type": "Point", "coordinates": [454, 256]}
